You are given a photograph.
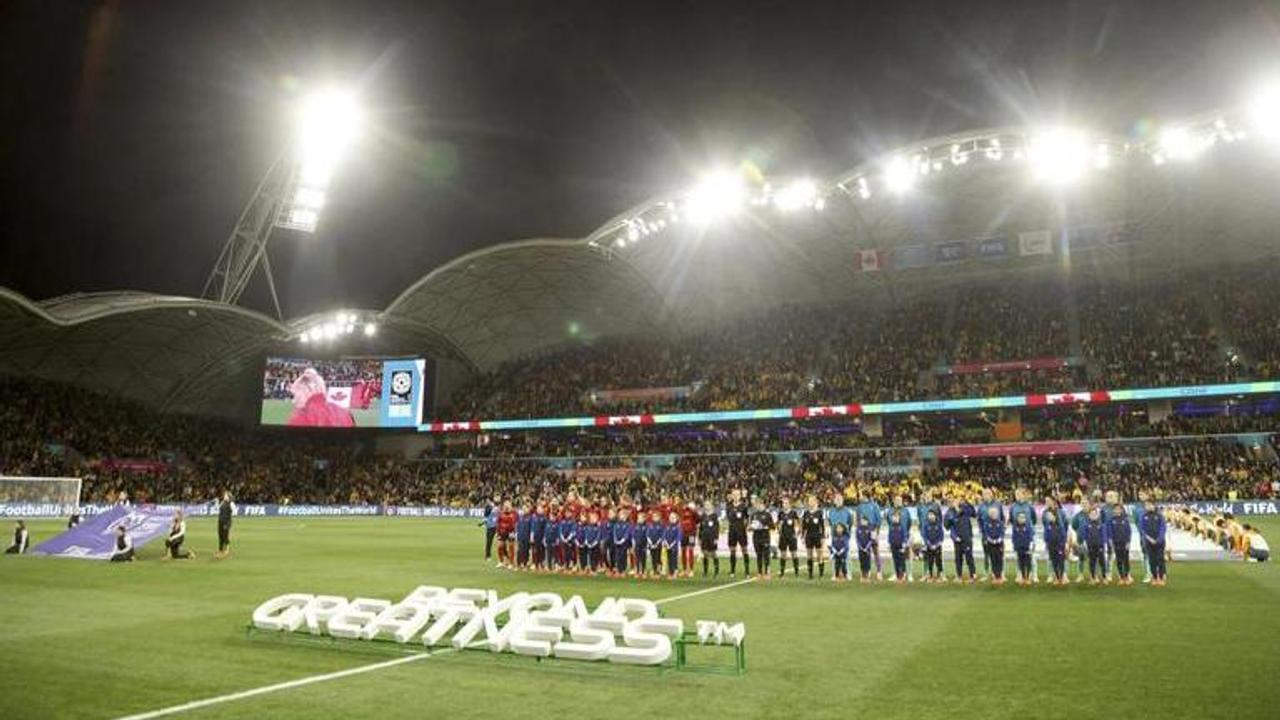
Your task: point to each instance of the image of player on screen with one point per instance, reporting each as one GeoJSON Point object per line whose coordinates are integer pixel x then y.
{"type": "Point", "coordinates": [311, 405]}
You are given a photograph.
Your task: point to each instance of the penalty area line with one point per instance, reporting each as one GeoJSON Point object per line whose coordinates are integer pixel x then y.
{"type": "Point", "coordinates": [359, 669]}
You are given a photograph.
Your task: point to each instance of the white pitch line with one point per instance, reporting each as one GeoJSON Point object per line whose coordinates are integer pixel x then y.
{"type": "Point", "coordinates": [359, 670]}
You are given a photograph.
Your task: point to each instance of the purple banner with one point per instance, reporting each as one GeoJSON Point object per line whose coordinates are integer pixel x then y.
{"type": "Point", "coordinates": [95, 538]}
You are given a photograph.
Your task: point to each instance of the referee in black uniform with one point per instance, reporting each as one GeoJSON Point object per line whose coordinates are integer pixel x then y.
{"type": "Point", "coordinates": [709, 538]}
{"type": "Point", "coordinates": [736, 513]}
{"type": "Point", "coordinates": [226, 509]}
{"type": "Point", "coordinates": [788, 538]}
{"type": "Point", "coordinates": [762, 525]}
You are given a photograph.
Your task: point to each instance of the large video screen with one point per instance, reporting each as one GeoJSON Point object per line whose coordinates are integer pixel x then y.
{"type": "Point", "coordinates": [350, 392]}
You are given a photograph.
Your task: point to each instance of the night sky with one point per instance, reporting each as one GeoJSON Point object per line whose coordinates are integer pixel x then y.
{"type": "Point", "coordinates": [133, 132]}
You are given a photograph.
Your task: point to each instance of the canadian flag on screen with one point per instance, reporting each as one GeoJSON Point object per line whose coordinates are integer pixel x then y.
{"type": "Point", "coordinates": [870, 260]}
{"type": "Point", "coordinates": [340, 396]}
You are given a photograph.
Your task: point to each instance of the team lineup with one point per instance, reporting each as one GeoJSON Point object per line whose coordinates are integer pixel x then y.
{"type": "Point", "coordinates": [625, 539]}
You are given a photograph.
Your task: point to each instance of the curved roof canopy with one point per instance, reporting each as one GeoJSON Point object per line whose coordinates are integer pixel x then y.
{"type": "Point", "coordinates": [655, 268]}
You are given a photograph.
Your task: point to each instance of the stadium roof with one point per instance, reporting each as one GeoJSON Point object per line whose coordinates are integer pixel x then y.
{"type": "Point", "coordinates": [651, 270]}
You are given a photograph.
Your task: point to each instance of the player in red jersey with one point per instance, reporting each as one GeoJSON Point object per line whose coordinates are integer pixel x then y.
{"type": "Point", "coordinates": [689, 519]}
{"type": "Point", "coordinates": [506, 529]}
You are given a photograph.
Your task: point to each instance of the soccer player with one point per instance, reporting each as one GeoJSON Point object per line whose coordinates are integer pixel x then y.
{"type": "Point", "coordinates": [899, 538]}
{"type": "Point", "coordinates": [672, 542]}
{"type": "Point", "coordinates": [550, 536]}
{"type": "Point", "coordinates": [1153, 531]}
{"type": "Point", "coordinates": [959, 522]}
{"type": "Point", "coordinates": [653, 541]}
{"type": "Point", "coordinates": [74, 520]}
{"type": "Point", "coordinates": [839, 553]}
{"type": "Point", "coordinates": [932, 533]}
{"type": "Point", "coordinates": [762, 525]}
{"type": "Point", "coordinates": [1023, 508]}
{"type": "Point", "coordinates": [1054, 525]}
{"type": "Point", "coordinates": [865, 541]}
{"type": "Point", "coordinates": [580, 540]}
{"type": "Point", "coordinates": [923, 507]}
{"type": "Point", "coordinates": [988, 501]}
{"type": "Point", "coordinates": [788, 538]}
{"type": "Point", "coordinates": [1023, 545]}
{"type": "Point", "coordinates": [736, 513]}
{"type": "Point", "coordinates": [709, 538]}
{"type": "Point", "coordinates": [506, 528]}
{"type": "Point", "coordinates": [566, 549]}
{"type": "Point", "coordinates": [178, 535]}
{"type": "Point", "coordinates": [591, 537]}
{"type": "Point", "coordinates": [620, 534]}
{"type": "Point", "coordinates": [1081, 551]}
{"type": "Point", "coordinates": [870, 510]}
{"type": "Point", "coordinates": [1121, 533]}
{"type": "Point", "coordinates": [1139, 510]}
{"type": "Point", "coordinates": [993, 542]}
{"type": "Point", "coordinates": [813, 532]}
{"type": "Point", "coordinates": [1096, 540]}
{"type": "Point", "coordinates": [524, 536]}
{"type": "Point", "coordinates": [21, 538]}
{"type": "Point", "coordinates": [688, 532]}
{"type": "Point", "coordinates": [491, 511]}
{"type": "Point", "coordinates": [124, 546]}
{"type": "Point", "coordinates": [226, 510]}
{"type": "Point", "coordinates": [537, 534]}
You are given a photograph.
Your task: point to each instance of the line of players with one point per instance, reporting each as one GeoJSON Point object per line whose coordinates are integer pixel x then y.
{"type": "Point", "coordinates": [577, 537]}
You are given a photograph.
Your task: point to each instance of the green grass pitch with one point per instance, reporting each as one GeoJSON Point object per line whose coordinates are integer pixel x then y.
{"type": "Point", "coordinates": [277, 412]}
{"type": "Point", "coordinates": [95, 640]}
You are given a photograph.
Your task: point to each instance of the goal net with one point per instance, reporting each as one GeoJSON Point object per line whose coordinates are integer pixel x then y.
{"type": "Point", "coordinates": [38, 496]}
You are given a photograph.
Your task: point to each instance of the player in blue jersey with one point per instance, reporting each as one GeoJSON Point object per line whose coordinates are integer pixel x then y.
{"type": "Point", "coordinates": [1121, 533]}
{"type": "Point", "coordinates": [524, 536]}
{"type": "Point", "coordinates": [620, 536]}
{"type": "Point", "coordinates": [1023, 536]}
{"type": "Point", "coordinates": [899, 538]}
{"type": "Point", "coordinates": [992, 528]}
{"type": "Point", "coordinates": [1153, 530]}
{"type": "Point", "coordinates": [864, 539]}
{"type": "Point", "coordinates": [839, 553]}
{"type": "Point", "coordinates": [959, 521]}
{"type": "Point", "coordinates": [1096, 540]}
{"type": "Point", "coordinates": [1054, 524]}
{"type": "Point", "coordinates": [653, 542]}
{"type": "Point", "coordinates": [672, 542]}
{"type": "Point", "coordinates": [932, 533]}
{"type": "Point", "coordinates": [988, 501]}
{"type": "Point", "coordinates": [870, 510]}
{"type": "Point", "coordinates": [1022, 506]}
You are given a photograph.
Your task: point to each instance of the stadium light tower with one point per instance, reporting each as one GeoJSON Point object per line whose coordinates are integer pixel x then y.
{"type": "Point", "coordinates": [291, 195]}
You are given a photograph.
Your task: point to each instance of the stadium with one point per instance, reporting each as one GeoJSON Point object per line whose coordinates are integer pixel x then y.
{"type": "Point", "coordinates": [986, 420]}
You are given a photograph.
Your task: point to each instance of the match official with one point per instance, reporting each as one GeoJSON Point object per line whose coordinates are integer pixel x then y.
{"type": "Point", "coordinates": [226, 509]}
{"type": "Point", "coordinates": [20, 539]}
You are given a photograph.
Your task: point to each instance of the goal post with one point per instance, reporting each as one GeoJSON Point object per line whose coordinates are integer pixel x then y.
{"type": "Point", "coordinates": [38, 496]}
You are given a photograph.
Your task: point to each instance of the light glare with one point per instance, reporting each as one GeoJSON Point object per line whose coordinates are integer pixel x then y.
{"type": "Point", "coordinates": [718, 195]}
{"type": "Point", "coordinates": [1058, 156]}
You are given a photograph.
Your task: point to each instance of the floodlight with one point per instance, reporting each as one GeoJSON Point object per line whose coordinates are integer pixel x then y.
{"type": "Point", "coordinates": [717, 195]}
{"type": "Point", "coordinates": [799, 194]}
{"type": "Point", "coordinates": [306, 336]}
{"type": "Point", "coordinates": [330, 331]}
{"type": "Point", "coordinates": [1178, 143]}
{"type": "Point", "coordinates": [1058, 155]}
{"type": "Point", "coordinates": [370, 329]}
{"type": "Point", "coordinates": [899, 175]}
{"type": "Point", "coordinates": [1264, 113]}
{"type": "Point", "coordinates": [329, 120]}
{"type": "Point", "coordinates": [307, 197]}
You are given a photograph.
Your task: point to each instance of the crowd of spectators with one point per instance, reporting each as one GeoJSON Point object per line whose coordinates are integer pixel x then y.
{"type": "Point", "coordinates": [1151, 334]}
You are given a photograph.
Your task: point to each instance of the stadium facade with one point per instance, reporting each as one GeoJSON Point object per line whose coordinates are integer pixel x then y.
{"type": "Point", "coordinates": [970, 208]}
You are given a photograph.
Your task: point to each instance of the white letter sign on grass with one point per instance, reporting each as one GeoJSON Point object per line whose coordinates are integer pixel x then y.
{"type": "Point", "coordinates": [619, 630]}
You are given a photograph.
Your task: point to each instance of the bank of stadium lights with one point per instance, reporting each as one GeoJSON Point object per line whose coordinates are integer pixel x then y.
{"type": "Point", "coordinates": [717, 195]}
{"type": "Point", "coordinates": [338, 325]}
{"type": "Point", "coordinates": [328, 122]}
{"type": "Point", "coordinates": [1058, 156]}
{"type": "Point", "coordinates": [1264, 112]}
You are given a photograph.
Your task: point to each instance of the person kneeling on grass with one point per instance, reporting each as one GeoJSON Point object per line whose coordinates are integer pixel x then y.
{"type": "Point", "coordinates": [124, 546]}
{"type": "Point", "coordinates": [177, 536]}
{"type": "Point", "coordinates": [1255, 546]}
{"type": "Point", "coordinates": [21, 538]}
{"type": "Point", "coordinates": [839, 553]}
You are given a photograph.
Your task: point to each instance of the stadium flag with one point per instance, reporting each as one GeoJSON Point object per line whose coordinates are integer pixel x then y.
{"type": "Point", "coordinates": [870, 260]}
{"type": "Point", "coordinates": [340, 396]}
{"type": "Point", "coordinates": [951, 251]}
{"type": "Point", "coordinates": [1036, 242]}
{"type": "Point", "coordinates": [95, 538]}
